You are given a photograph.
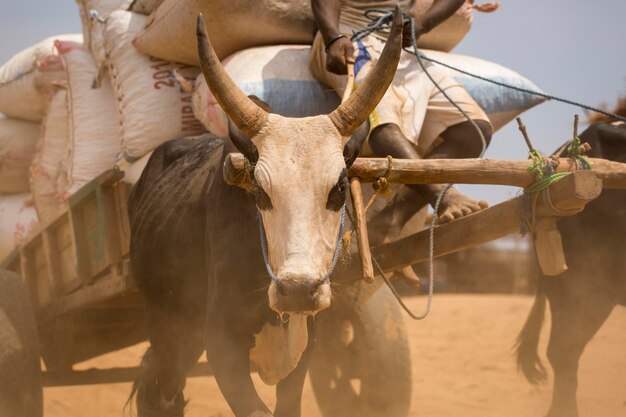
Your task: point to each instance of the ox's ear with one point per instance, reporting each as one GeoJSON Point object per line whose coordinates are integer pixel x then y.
{"type": "Point", "coordinates": [239, 137]}
{"type": "Point", "coordinates": [352, 148]}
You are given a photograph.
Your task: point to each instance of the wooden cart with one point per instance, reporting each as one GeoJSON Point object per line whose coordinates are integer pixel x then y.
{"type": "Point", "coordinates": [68, 294]}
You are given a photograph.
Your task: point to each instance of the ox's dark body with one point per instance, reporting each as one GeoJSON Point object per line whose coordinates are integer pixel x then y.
{"type": "Point", "coordinates": [581, 299]}
{"type": "Point", "coordinates": [197, 263]}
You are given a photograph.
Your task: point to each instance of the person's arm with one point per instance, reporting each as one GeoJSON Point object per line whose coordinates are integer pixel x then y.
{"type": "Point", "coordinates": [339, 48]}
{"type": "Point", "coordinates": [439, 11]}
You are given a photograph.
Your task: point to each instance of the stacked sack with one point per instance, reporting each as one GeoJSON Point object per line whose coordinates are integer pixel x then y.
{"type": "Point", "coordinates": [279, 74]}
{"type": "Point", "coordinates": [170, 31]}
{"type": "Point", "coordinates": [75, 109]}
{"type": "Point", "coordinates": [76, 105]}
{"type": "Point", "coordinates": [28, 84]}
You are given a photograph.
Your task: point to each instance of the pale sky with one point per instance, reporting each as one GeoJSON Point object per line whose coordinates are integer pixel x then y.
{"type": "Point", "coordinates": [570, 48]}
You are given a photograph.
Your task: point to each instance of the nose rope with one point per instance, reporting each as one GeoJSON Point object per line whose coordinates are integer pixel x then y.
{"type": "Point", "coordinates": [333, 264]}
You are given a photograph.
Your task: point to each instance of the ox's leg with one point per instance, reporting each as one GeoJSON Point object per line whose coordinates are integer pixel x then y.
{"type": "Point", "coordinates": [577, 314]}
{"type": "Point", "coordinates": [228, 352]}
{"type": "Point", "coordinates": [175, 346]}
{"type": "Point", "coordinates": [289, 390]}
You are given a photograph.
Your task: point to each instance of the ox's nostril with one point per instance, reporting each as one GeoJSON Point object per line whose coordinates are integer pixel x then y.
{"type": "Point", "coordinates": [280, 287]}
{"type": "Point", "coordinates": [315, 287]}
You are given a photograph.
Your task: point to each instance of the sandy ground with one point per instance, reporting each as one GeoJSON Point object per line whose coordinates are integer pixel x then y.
{"type": "Point", "coordinates": [462, 366]}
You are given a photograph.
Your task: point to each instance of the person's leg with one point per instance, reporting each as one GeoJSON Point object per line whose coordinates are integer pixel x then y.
{"type": "Point", "coordinates": [460, 141]}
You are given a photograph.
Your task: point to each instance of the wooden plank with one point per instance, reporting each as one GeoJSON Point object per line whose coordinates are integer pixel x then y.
{"type": "Point", "coordinates": [108, 376]}
{"type": "Point", "coordinates": [100, 291]}
{"type": "Point", "coordinates": [107, 178]}
{"type": "Point", "coordinates": [52, 259]}
{"type": "Point", "coordinates": [121, 192]}
{"type": "Point", "coordinates": [469, 231]}
{"type": "Point", "coordinates": [458, 171]}
{"type": "Point", "coordinates": [80, 248]}
{"type": "Point", "coordinates": [111, 226]}
{"type": "Point", "coordinates": [567, 197]}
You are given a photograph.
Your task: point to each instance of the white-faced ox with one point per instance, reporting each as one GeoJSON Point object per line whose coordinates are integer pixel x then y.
{"type": "Point", "coordinates": [196, 247]}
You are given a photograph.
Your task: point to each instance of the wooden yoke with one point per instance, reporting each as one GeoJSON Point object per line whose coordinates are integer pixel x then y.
{"type": "Point", "coordinates": [564, 198]}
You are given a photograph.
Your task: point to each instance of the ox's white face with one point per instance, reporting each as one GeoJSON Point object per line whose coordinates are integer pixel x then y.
{"type": "Point", "coordinates": [300, 172]}
{"type": "Point", "coordinates": [301, 186]}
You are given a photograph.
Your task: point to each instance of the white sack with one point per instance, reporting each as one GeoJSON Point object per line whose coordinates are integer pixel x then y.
{"type": "Point", "coordinates": [17, 221]}
{"type": "Point", "coordinates": [500, 103]}
{"type": "Point", "coordinates": [279, 75]}
{"type": "Point", "coordinates": [450, 32]}
{"type": "Point", "coordinates": [170, 32]}
{"type": "Point", "coordinates": [93, 121]}
{"type": "Point", "coordinates": [18, 142]}
{"type": "Point", "coordinates": [93, 15]}
{"type": "Point", "coordinates": [152, 107]}
{"type": "Point", "coordinates": [25, 80]}
{"type": "Point", "coordinates": [47, 164]}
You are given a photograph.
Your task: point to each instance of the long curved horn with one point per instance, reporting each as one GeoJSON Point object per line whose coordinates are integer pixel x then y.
{"type": "Point", "coordinates": [246, 115]}
{"type": "Point", "coordinates": [351, 114]}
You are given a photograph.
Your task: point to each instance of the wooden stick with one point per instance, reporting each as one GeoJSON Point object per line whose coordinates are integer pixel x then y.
{"type": "Point", "coordinates": [477, 171]}
{"type": "Point", "coordinates": [349, 83]}
{"type": "Point", "coordinates": [465, 171]}
{"type": "Point", "coordinates": [522, 128]}
{"type": "Point", "coordinates": [357, 203]}
{"type": "Point", "coordinates": [361, 230]}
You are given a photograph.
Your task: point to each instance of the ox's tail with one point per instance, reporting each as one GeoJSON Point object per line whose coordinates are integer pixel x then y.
{"type": "Point", "coordinates": [528, 340]}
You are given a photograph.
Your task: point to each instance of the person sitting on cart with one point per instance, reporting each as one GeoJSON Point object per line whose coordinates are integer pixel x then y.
{"type": "Point", "coordinates": [414, 119]}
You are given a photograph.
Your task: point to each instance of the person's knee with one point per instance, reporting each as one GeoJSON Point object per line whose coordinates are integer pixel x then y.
{"type": "Point", "coordinates": [386, 132]}
{"type": "Point", "coordinates": [388, 139]}
{"type": "Point", "coordinates": [467, 139]}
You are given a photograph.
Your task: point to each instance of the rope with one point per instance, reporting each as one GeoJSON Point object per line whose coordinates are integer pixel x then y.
{"type": "Point", "coordinates": [381, 186]}
{"type": "Point", "coordinates": [545, 176]}
{"type": "Point", "coordinates": [544, 172]}
{"type": "Point", "coordinates": [333, 264]}
{"type": "Point", "coordinates": [384, 22]}
{"type": "Point", "coordinates": [545, 182]}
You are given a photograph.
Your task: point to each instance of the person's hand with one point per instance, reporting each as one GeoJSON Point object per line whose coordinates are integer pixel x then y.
{"type": "Point", "coordinates": [406, 33]}
{"type": "Point", "coordinates": [339, 54]}
{"type": "Point", "coordinates": [487, 7]}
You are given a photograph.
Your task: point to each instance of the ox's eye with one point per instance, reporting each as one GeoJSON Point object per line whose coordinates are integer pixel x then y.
{"type": "Point", "coordinates": [263, 201]}
{"type": "Point", "coordinates": [337, 194]}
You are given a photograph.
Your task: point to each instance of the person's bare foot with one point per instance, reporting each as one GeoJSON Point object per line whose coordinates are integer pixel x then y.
{"type": "Point", "coordinates": [455, 205]}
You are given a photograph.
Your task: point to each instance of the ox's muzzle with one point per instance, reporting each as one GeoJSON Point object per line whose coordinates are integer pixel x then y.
{"type": "Point", "coordinates": [299, 293]}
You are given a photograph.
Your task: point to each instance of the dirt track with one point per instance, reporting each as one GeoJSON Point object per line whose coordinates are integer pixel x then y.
{"type": "Point", "coordinates": [462, 366]}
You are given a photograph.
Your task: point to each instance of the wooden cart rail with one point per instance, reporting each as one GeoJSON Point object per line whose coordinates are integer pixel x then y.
{"type": "Point", "coordinates": [456, 171]}
{"type": "Point", "coordinates": [80, 257]}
